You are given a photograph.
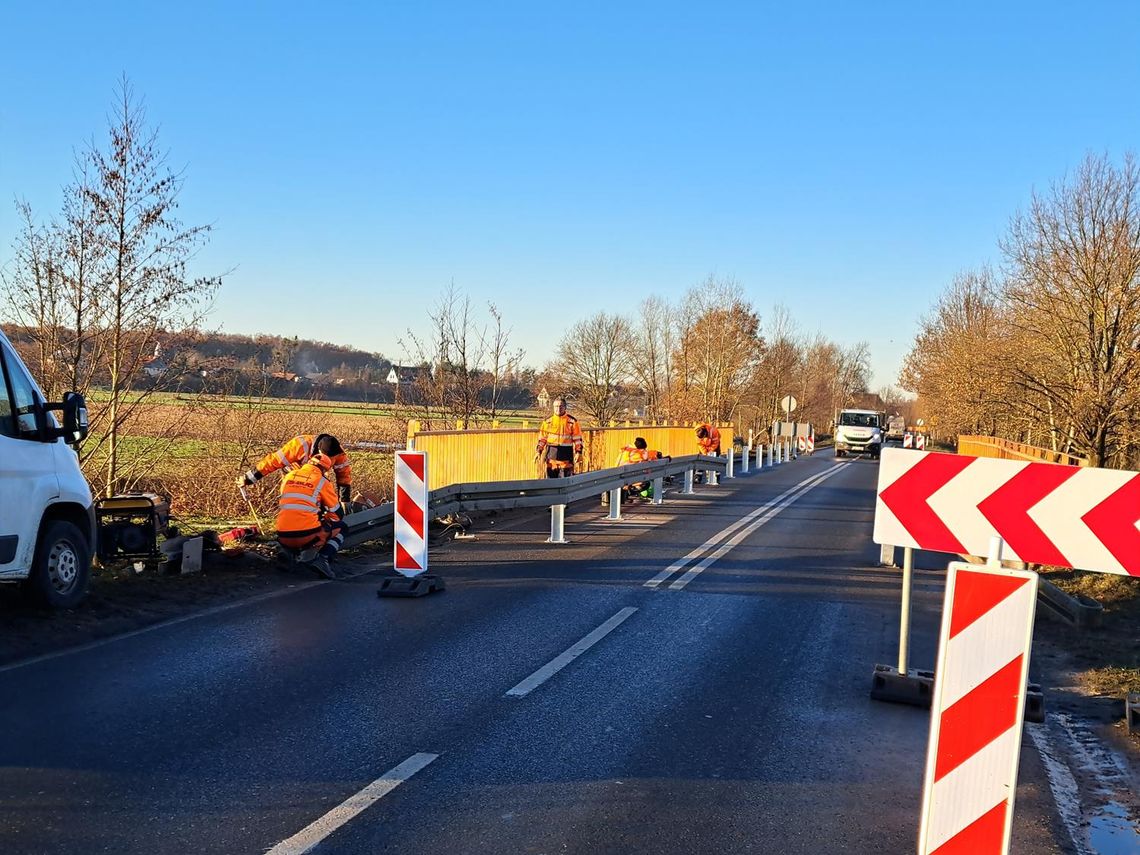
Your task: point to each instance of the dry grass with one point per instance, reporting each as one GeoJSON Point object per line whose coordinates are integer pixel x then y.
{"type": "Point", "coordinates": [193, 454]}
{"type": "Point", "coordinates": [1110, 653]}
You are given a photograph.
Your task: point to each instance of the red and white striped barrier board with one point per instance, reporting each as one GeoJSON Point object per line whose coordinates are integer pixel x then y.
{"type": "Point", "coordinates": [908, 440]}
{"type": "Point", "coordinates": [411, 555]}
{"type": "Point", "coordinates": [977, 709]}
{"type": "Point", "coordinates": [1046, 513]}
{"type": "Point", "coordinates": [801, 444]}
{"type": "Point", "coordinates": [920, 441]}
{"type": "Point", "coordinates": [811, 444]}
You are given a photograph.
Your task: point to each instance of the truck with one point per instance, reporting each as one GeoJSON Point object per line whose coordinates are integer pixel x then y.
{"type": "Point", "coordinates": [858, 432]}
{"type": "Point", "coordinates": [896, 427]}
{"type": "Point", "coordinates": [47, 517]}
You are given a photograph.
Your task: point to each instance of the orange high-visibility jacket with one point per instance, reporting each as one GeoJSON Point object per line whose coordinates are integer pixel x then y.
{"type": "Point", "coordinates": [560, 440]}
{"type": "Point", "coordinates": [711, 443]}
{"type": "Point", "coordinates": [632, 454]}
{"type": "Point", "coordinates": [296, 453]}
{"type": "Point", "coordinates": [307, 498]}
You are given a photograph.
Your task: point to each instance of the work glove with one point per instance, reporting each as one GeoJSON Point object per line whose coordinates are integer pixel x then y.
{"type": "Point", "coordinates": [250, 477]}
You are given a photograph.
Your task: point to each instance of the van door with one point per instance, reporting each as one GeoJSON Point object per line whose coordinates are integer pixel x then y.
{"type": "Point", "coordinates": [28, 480]}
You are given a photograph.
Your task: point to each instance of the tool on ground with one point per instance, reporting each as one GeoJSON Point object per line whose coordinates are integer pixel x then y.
{"type": "Point", "coordinates": [252, 509]}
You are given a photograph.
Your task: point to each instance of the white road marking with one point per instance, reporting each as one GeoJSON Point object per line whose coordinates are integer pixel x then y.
{"type": "Point", "coordinates": [566, 657]}
{"type": "Point", "coordinates": [749, 520]}
{"type": "Point", "coordinates": [312, 834]}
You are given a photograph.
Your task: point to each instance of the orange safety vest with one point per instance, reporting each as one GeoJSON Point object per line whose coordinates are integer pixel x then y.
{"type": "Point", "coordinates": [711, 443]}
{"type": "Point", "coordinates": [307, 498]}
{"type": "Point", "coordinates": [296, 453]}
{"type": "Point", "coordinates": [632, 454]}
{"type": "Point", "coordinates": [560, 439]}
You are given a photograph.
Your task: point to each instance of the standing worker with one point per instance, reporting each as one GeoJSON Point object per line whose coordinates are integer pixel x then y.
{"type": "Point", "coordinates": [559, 442]}
{"type": "Point", "coordinates": [296, 453]}
{"type": "Point", "coordinates": [308, 513]}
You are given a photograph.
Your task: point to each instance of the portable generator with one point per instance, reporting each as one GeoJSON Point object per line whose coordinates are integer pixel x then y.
{"type": "Point", "coordinates": [129, 526]}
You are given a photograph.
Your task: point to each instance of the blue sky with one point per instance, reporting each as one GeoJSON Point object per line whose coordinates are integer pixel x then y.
{"type": "Point", "coordinates": [843, 159]}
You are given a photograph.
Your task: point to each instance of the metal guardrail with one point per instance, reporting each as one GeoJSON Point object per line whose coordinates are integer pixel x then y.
{"type": "Point", "coordinates": [377, 522]}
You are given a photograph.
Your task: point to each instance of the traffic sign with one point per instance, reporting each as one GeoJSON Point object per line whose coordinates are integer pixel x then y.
{"type": "Point", "coordinates": [977, 709]}
{"type": "Point", "coordinates": [410, 548]}
{"type": "Point", "coordinates": [788, 403]}
{"type": "Point", "coordinates": [1046, 513]}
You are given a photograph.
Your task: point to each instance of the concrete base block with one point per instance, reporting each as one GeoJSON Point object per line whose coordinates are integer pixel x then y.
{"type": "Point", "coordinates": [916, 688]}
{"type": "Point", "coordinates": [415, 586]}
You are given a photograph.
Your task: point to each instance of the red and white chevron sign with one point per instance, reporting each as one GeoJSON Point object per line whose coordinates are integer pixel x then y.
{"type": "Point", "coordinates": [1046, 513]}
{"type": "Point", "coordinates": [411, 555]}
{"type": "Point", "coordinates": [976, 711]}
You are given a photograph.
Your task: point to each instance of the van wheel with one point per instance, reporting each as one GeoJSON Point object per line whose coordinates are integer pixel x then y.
{"type": "Point", "coordinates": [62, 566]}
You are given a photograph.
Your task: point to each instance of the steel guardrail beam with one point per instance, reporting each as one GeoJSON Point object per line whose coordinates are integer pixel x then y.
{"type": "Point", "coordinates": [377, 522]}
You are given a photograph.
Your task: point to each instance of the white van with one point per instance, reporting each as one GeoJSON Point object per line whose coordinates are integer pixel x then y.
{"type": "Point", "coordinates": [47, 520]}
{"type": "Point", "coordinates": [858, 432]}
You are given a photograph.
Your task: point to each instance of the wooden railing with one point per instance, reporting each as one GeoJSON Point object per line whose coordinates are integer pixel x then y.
{"type": "Point", "coordinates": [482, 455]}
{"type": "Point", "coordinates": [993, 446]}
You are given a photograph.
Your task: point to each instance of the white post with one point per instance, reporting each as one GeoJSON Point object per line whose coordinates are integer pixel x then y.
{"type": "Point", "coordinates": [712, 478]}
{"type": "Point", "coordinates": [615, 504]}
{"type": "Point", "coordinates": [997, 545]}
{"type": "Point", "coordinates": [658, 490]}
{"type": "Point", "coordinates": [747, 454]}
{"type": "Point", "coordinates": [770, 463]}
{"type": "Point", "coordinates": [886, 555]}
{"type": "Point", "coordinates": [904, 618]}
{"type": "Point", "coordinates": [728, 473]}
{"type": "Point", "coordinates": [687, 490]}
{"type": "Point", "coordinates": [557, 524]}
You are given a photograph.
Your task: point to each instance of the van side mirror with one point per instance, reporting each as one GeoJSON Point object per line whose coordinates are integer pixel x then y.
{"type": "Point", "coordinates": [75, 424]}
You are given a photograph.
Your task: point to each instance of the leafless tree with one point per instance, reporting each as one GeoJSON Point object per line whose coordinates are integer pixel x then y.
{"type": "Point", "coordinates": [594, 361]}
{"type": "Point", "coordinates": [649, 349]}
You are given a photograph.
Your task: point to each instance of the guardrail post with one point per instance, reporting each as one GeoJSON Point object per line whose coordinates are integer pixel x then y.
{"type": "Point", "coordinates": [615, 504]}
{"type": "Point", "coordinates": [712, 478]}
{"type": "Point", "coordinates": [658, 491]}
{"type": "Point", "coordinates": [728, 473]}
{"type": "Point", "coordinates": [688, 488]}
{"type": "Point", "coordinates": [557, 524]}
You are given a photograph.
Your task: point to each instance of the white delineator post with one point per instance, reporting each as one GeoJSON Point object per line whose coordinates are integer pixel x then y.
{"type": "Point", "coordinates": [730, 461]}
{"type": "Point", "coordinates": [771, 462]}
{"type": "Point", "coordinates": [557, 524]}
{"type": "Point", "coordinates": [977, 710]}
{"type": "Point", "coordinates": [410, 553]}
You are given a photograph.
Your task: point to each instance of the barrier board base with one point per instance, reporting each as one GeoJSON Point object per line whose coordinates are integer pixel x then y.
{"type": "Point", "coordinates": [415, 586]}
{"type": "Point", "coordinates": [915, 687]}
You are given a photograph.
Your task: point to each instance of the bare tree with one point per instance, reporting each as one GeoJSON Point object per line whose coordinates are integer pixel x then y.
{"type": "Point", "coordinates": [594, 360]}
{"type": "Point", "coordinates": [146, 251]}
{"type": "Point", "coordinates": [503, 360]}
{"type": "Point", "coordinates": [649, 348]}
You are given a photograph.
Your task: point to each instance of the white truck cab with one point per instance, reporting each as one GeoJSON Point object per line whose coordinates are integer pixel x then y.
{"type": "Point", "coordinates": [47, 519]}
{"type": "Point", "coordinates": [858, 432]}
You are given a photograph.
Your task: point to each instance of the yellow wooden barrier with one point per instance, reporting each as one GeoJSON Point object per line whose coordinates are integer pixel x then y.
{"type": "Point", "coordinates": [993, 446]}
{"type": "Point", "coordinates": [507, 454]}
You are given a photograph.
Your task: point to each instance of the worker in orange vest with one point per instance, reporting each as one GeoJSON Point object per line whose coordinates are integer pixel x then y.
{"type": "Point", "coordinates": [308, 513]}
{"type": "Point", "coordinates": [636, 453]}
{"type": "Point", "coordinates": [708, 439]}
{"type": "Point", "coordinates": [296, 453]}
{"type": "Point", "coordinates": [559, 442]}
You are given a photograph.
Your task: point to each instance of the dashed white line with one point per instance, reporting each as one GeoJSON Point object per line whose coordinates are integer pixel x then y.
{"type": "Point", "coordinates": [569, 655]}
{"type": "Point", "coordinates": [748, 522]}
{"type": "Point", "coordinates": [309, 836]}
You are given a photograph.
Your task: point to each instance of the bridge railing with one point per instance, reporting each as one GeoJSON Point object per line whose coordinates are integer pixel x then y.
{"type": "Point", "coordinates": [993, 446]}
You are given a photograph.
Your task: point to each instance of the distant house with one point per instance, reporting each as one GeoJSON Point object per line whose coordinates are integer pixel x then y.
{"type": "Point", "coordinates": [155, 366]}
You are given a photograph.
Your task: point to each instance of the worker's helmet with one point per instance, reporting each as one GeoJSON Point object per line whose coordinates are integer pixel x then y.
{"type": "Point", "coordinates": [328, 444]}
{"type": "Point", "coordinates": [640, 442]}
{"type": "Point", "coordinates": [322, 461]}
{"type": "Point", "coordinates": [702, 432]}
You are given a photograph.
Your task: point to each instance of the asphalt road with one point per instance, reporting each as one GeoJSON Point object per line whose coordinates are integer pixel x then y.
{"type": "Point", "coordinates": [549, 701]}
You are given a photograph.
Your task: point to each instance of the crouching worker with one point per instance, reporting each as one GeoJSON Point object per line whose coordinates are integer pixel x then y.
{"type": "Point", "coordinates": [308, 513]}
{"type": "Point", "coordinates": [296, 453]}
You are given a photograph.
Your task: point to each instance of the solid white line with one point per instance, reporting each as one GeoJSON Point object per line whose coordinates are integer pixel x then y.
{"type": "Point", "coordinates": [747, 518]}
{"type": "Point", "coordinates": [312, 834]}
{"type": "Point", "coordinates": [774, 509]}
{"type": "Point", "coordinates": [566, 657]}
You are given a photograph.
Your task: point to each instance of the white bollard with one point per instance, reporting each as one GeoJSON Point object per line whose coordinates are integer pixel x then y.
{"type": "Point", "coordinates": [658, 491]}
{"type": "Point", "coordinates": [886, 555]}
{"type": "Point", "coordinates": [728, 473]}
{"type": "Point", "coordinates": [615, 504]}
{"type": "Point", "coordinates": [557, 524]}
{"type": "Point", "coordinates": [744, 459]}
{"type": "Point", "coordinates": [770, 461]}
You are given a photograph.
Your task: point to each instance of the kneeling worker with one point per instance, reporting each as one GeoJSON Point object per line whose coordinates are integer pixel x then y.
{"type": "Point", "coordinates": [296, 453]}
{"type": "Point", "coordinates": [308, 513]}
